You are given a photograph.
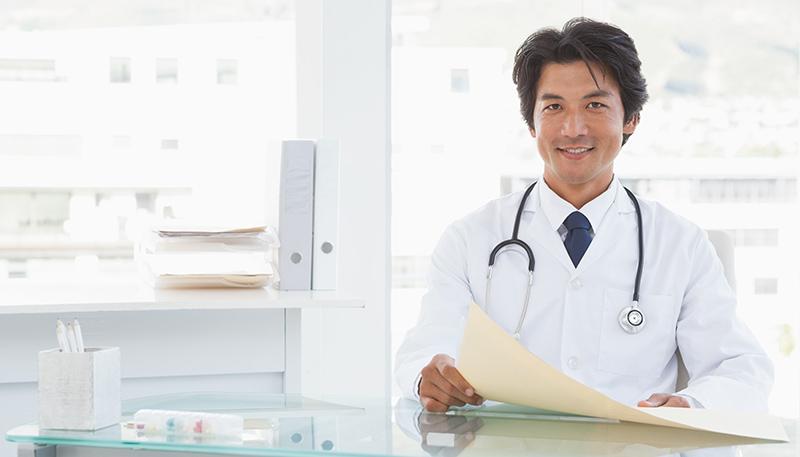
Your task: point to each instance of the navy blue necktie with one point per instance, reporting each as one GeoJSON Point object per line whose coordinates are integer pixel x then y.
{"type": "Point", "coordinates": [578, 237]}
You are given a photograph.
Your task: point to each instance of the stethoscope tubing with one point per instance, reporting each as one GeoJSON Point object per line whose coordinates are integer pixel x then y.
{"type": "Point", "coordinates": [516, 241]}
{"type": "Point", "coordinates": [640, 264]}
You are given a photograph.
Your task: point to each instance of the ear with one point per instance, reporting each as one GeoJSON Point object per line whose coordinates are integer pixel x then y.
{"type": "Point", "coordinates": [533, 132]}
{"type": "Point", "coordinates": [631, 125]}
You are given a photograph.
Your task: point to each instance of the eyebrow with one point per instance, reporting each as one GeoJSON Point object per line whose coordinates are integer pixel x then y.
{"type": "Point", "coordinates": [593, 94]}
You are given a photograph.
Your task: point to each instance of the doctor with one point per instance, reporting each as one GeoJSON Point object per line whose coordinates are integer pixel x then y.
{"type": "Point", "coordinates": [581, 92]}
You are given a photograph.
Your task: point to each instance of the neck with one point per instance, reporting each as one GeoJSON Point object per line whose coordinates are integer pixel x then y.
{"type": "Point", "coordinates": [578, 194]}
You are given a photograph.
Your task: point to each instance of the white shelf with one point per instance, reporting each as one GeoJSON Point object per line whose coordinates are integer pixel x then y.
{"type": "Point", "coordinates": [25, 296]}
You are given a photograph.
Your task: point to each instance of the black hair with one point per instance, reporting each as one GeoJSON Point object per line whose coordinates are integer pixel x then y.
{"type": "Point", "coordinates": [589, 41]}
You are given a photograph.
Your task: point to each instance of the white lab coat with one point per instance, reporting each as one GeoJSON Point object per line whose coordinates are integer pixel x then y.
{"type": "Point", "coordinates": [572, 317]}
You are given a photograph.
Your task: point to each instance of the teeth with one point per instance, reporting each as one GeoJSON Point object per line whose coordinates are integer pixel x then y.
{"type": "Point", "coordinates": [575, 150]}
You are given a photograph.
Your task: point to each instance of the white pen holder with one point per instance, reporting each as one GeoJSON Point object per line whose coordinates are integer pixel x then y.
{"type": "Point", "coordinates": [79, 390]}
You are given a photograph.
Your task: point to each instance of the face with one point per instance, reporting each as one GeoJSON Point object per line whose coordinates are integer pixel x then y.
{"type": "Point", "coordinates": [578, 126]}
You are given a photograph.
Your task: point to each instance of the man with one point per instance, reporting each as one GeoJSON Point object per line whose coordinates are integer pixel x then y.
{"type": "Point", "coordinates": [581, 92]}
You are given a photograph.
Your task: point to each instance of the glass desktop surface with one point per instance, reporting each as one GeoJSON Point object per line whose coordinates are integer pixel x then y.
{"type": "Point", "coordinates": [293, 425]}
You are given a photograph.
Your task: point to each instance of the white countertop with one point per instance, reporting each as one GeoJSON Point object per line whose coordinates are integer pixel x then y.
{"type": "Point", "coordinates": [25, 296]}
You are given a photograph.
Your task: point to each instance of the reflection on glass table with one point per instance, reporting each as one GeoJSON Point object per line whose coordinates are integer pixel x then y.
{"type": "Point", "coordinates": [298, 426]}
{"type": "Point", "coordinates": [509, 430]}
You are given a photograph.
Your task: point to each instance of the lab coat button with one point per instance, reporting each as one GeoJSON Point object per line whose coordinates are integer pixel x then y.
{"type": "Point", "coordinates": [572, 362]}
{"type": "Point", "coordinates": [576, 283]}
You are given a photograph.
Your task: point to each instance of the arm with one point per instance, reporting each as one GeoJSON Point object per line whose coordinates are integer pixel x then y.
{"type": "Point", "coordinates": [439, 328]}
{"type": "Point", "coordinates": [728, 368]}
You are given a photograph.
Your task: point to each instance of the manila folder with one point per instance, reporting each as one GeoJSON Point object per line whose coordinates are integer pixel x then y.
{"type": "Point", "coordinates": [501, 369]}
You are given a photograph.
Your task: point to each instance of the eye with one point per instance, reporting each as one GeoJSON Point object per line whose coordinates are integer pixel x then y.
{"type": "Point", "coordinates": [553, 107]}
{"type": "Point", "coordinates": [596, 105]}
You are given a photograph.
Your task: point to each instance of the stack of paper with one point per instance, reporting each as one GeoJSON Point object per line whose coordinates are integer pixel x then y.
{"type": "Point", "coordinates": [193, 256]}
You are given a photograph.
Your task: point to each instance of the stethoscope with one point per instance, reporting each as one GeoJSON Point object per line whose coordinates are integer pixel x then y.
{"type": "Point", "coordinates": [631, 318]}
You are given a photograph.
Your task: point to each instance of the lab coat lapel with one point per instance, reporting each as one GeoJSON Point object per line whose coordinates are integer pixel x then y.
{"type": "Point", "coordinates": [615, 229]}
{"type": "Point", "coordinates": [540, 232]}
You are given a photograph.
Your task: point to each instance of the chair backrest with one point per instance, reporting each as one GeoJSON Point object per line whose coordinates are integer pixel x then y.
{"type": "Point", "coordinates": [723, 244]}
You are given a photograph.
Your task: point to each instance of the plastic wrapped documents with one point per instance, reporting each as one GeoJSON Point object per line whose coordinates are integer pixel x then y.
{"type": "Point", "coordinates": [197, 257]}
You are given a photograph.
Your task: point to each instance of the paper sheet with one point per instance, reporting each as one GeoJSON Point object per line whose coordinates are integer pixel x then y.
{"type": "Point", "coordinates": [501, 369]}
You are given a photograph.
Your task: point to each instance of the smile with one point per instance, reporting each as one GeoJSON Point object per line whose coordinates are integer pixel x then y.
{"type": "Point", "coordinates": [574, 152]}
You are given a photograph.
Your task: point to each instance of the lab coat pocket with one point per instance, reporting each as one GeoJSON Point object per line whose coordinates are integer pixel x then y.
{"type": "Point", "coordinates": [644, 354]}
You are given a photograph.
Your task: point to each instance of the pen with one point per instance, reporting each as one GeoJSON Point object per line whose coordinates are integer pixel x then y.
{"type": "Point", "coordinates": [73, 346]}
{"type": "Point", "coordinates": [61, 335]}
{"type": "Point", "coordinates": [76, 327]}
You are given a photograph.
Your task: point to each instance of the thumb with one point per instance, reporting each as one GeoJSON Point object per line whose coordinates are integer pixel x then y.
{"type": "Point", "coordinates": [654, 400]}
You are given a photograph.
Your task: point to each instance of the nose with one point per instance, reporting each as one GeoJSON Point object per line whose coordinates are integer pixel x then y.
{"type": "Point", "coordinates": [574, 125]}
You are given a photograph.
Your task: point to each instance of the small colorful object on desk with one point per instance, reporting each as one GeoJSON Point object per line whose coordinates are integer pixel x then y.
{"type": "Point", "coordinates": [156, 421]}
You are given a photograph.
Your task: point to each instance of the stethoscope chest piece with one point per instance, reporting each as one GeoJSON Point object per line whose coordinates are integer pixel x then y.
{"type": "Point", "coordinates": [631, 319]}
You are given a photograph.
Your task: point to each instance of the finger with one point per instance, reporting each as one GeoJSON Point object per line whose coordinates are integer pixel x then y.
{"type": "Point", "coordinates": [433, 405]}
{"type": "Point", "coordinates": [654, 400]}
{"type": "Point", "coordinates": [448, 388]}
{"type": "Point", "coordinates": [433, 376]}
{"type": "Point", "coordinates": [677, 402]}
{"type": "Point", "coordinates": [454, 377]}
{"type": "Point", "coordinates": [433, 383]}
{"type": "Point", "coordinates": [431, 390]}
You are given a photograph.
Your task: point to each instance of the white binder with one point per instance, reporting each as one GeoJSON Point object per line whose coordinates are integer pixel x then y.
{"type": "Point", "coordinates": [326, 433]}
{"type": "Point", "coordinates": [326, 216]}
{"type": "Point", "coordinates": [296, 221]}
{"type": "Point", "coordinates": [296, 433]}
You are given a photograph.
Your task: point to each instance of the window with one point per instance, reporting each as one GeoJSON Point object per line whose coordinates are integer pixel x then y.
{"type": "Point", "coordinates": [85, 169]}
{"type": "Point", "coordinates": [121, 142]}
{"type": "Point", "coordinates": [410, 271]}
{"type": "Point", "coordinates": [33, 212]}
{"type": "Point", "coordinates": [744, 190]}
{"type": "Point", "coordinates": [765, 286]}
{"type": "Point", "coordinates": [169, 143]}
{"type": "Point", "coordinates": [718, 141]}
{"type": "Point", "coordinates": [166, 71]}
{"type": "Point", "coordinates": [754, 237]}
{"type": "Point", "coordinates": [35, 70]}
{"type": "Point", "coordinates": [227, 71]}
{"type": "Point", "coordinates": [29, 145]}
{"type": "Point", "coordinates": [120, 69]}
{"type": "Point", "coordinates": [459, 80]}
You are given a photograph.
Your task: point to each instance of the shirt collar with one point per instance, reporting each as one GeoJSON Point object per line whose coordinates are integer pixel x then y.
{"type": "Point", "coordinates": [556, 209]}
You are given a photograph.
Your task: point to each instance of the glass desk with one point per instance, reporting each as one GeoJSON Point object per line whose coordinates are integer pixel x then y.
{"type": "Point", "coordinates": [287, 425]}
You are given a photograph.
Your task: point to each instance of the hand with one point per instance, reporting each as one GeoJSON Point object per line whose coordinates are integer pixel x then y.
{"type": "Point", "coordinates": [665, 400]}
{"type": "Point", "coordinates": [442, 386]}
